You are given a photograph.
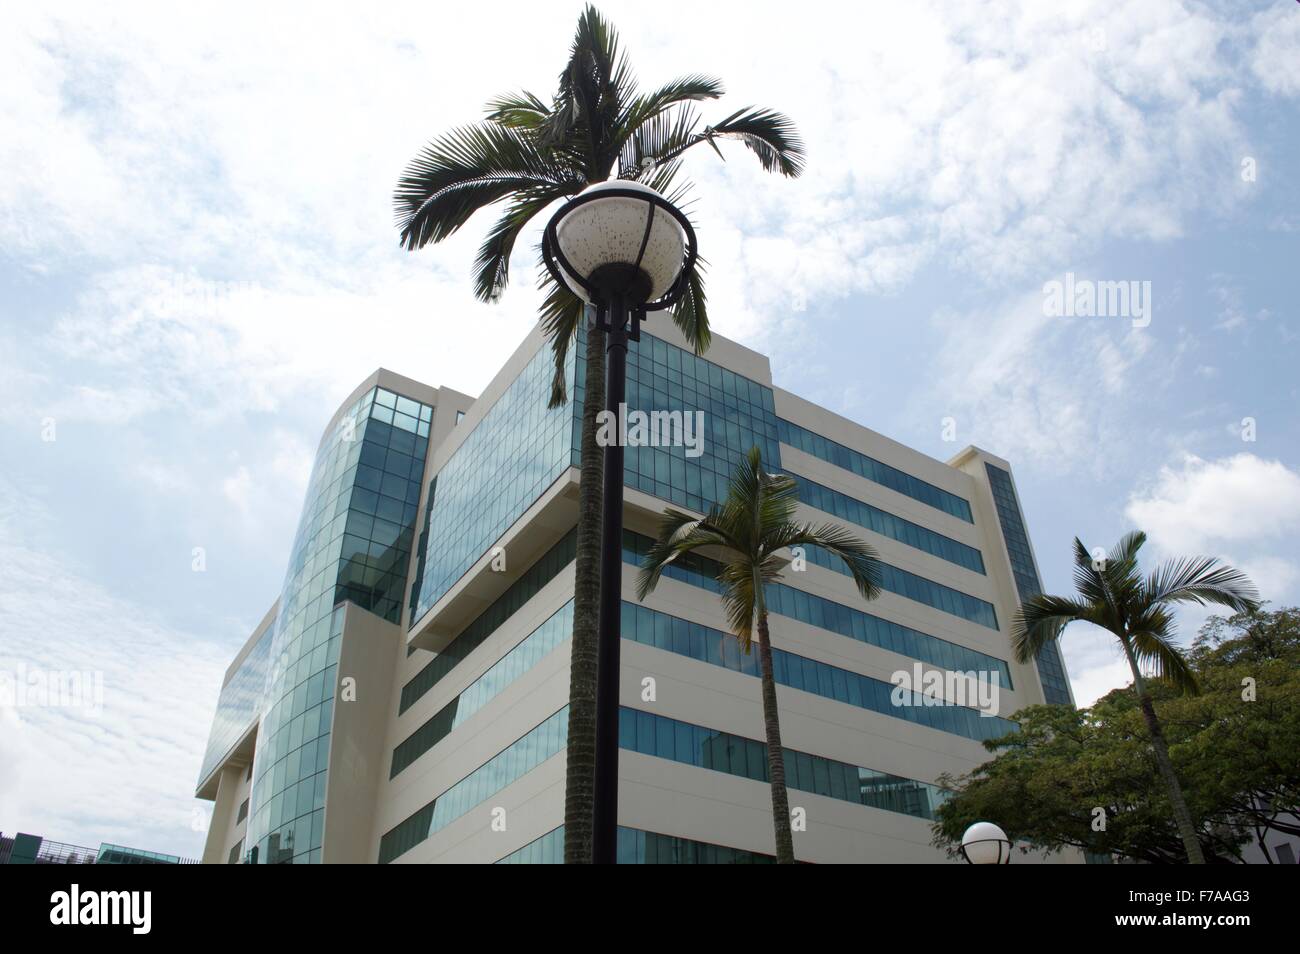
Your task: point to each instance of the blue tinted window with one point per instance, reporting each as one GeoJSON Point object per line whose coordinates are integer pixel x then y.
{"type": "Point", "coordinates": [486, 623]}
{"type": "Point", "coordinates": [507, 766]}
{"type": "Point", "coordinates": [873, 470]}
{"type": "Point", "coordinates": [517, 450]}
{"type": "Point", "coordinates": [735, 415]}
{"type": "Point", "coordinates": [353, 544]}
{"type": "Point", "coordinates": [787, 601]}
{"type": "Point", "coordinates": [1051, 667]}
{"type": "Point", "coordinates": [886, 524]}
{"type": "Point", "coordinates": [807, 675]}
{"type": "Point", "coordinates": [482, 690]}
{"type": "Point", "coordinates": [747, 758]}
{"type": "Point", "coordinates": [637, 847]}
{"type": "Point", "coordinates": [917, 588]}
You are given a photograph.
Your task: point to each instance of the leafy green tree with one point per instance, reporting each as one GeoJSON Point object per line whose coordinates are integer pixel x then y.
{"type": "Point", "coordinates": [529, 154]}
{"type": "Point", "coordinates": [1233, 746]}
{"type": "Point", "coordinates": [1114, 596]}
{"type": "Point", "coordinates": [748, 532]}
{"type": "Point", "coordinates": [1247, 756]}
{"type": "Point", "coordinates": [1247, 637]}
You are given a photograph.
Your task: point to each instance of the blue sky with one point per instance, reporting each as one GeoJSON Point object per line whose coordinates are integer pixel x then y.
{"type": "Point", "coordinates": [197, 263]}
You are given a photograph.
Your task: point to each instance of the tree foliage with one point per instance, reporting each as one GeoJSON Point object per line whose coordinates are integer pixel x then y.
{"type": "Point", "coordinates": [1238, 757]}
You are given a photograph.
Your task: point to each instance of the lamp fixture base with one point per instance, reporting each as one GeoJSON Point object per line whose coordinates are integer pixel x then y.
{"type": "Point", "coordinates": [627, 285]}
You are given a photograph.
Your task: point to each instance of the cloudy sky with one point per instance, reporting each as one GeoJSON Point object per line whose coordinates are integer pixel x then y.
{"type": "Point", "coordinates": [198, 262]}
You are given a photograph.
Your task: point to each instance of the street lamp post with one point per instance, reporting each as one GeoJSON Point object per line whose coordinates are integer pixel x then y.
{"type": "Point", "coordinates": [984, 843]}
{"type": "Point", "coordinates": [624, 248]}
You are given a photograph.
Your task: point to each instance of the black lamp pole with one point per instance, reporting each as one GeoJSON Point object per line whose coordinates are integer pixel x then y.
{"type": "Point", "coordinates": [620, 292]}
{"type": "Point", "coordinates": [604, 834]}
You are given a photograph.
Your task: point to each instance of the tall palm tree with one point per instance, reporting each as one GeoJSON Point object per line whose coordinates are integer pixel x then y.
{"type": "Point", "coordinates": [1136, 610]}
{"type": "Point", "coordinates": [529, 155]}
{"type": "Point", "coordinates": [748, 531]}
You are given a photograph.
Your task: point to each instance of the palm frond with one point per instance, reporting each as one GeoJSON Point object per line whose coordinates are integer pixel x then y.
{"type": "Point", "coordinates": [691, 313]}
{"type": "Point", "coordinates": [1040, 620]}
{"type": "Point", "coordinates": [492, 265]}
{"type": "Point", "coordinates": [860, 557]}
{"type": "Point", "coordinates": [1126, 551]}
{"type": "Point", "coordinates": [644, 109]}
{"type": "Point", "coordinates": [1088, 581]}
{"type": "Point", "coordinates": [663, 179]}
{"type": "Point", "coordinates": [561, 316]}
{"type": "Point", "coordinates": [1201, 580]}
{"type": "Point", "coordinates": [674, 526]}
{"type": "Point", "coordinates": [657, 141]}
{"type": "Point", "coordinates": [769, 135]}
{"type": "Point", "coordinates": [595, 83]}
{"type": "Point", "coordinates": [517, 111]}
{"type": "Point", "coordinates": [779, 501]}
{"type": "Point", "coordinates": [461, 172]}
{"type": "Point", "coordinates": [679, 533]}
{"type": "Point", "coordinates": [744, 499]}
{"type": "Point", "coordinates": [740, 600]}
{"type": "Point", "coordinates": [1121, 574]}
{"type": "Point", "coordinates": [1157, 654]}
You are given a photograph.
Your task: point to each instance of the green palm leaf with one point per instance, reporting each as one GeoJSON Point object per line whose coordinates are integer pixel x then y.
{"type": "Point", "coordinates": [561, 315]}
{"type": "Point", "coordinates": [769, 135]}
{"type": "Point", "coordinates": [1201, 580]}
{"type": "Point", "coordinates": [459, 173]}
{"type": "Point", "coordinates": [690, 314]}
{"type": "Point", "coordinates": [1136, 610]}
{"type": "Point", "coordinates": [492, 265]}
{"type": "Point", "coordinates": [1157, 654]}
{"type": "Point", "coordinates": [1041, 619]}
{"type": "Point", "coordinates": [861, 559]}
{"type": "Point", "coordinates": [522, 111]}
{"type": "Point", "coordinates": [687, 89]}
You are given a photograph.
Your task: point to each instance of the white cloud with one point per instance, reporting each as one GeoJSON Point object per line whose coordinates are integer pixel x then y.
{"type": "Point", "coordinates": [1000, 138]}
{"type": "Point", "coordinates": [1242, 509]}
{"type": "Point", "coordinates": [293, 460]}
{"type": "Point", "coordinates": [1039, 390]}
{"type": "Point", "coordinates": [1095, 662]}
{"type": "Point", "coordinates": [238, 489]}
{"type": "Point", "coordinates": [1273, 60]}
{"type": "Point", "coordinates": [1232, 311]}
{"type": "Point", "coordinates": [1202, 506]}
{"type": "Point", "coordinates": [126, 775]}
{"type": "Point", "coordinates": [1276, 577]}
{"type": "Point", "coordinates": [1010, 140]}
{"type": "Point", "coordinates": [247, 351]}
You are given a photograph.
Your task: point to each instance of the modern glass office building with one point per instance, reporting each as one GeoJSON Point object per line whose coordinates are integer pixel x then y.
{"type": "Point", "coordinates": [405, 698]}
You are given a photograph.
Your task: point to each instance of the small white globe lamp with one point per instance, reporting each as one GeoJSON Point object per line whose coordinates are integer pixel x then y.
{"type": "Point", "coordinates": [984, 843]}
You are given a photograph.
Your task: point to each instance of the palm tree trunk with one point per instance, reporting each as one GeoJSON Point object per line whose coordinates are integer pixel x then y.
{"type": "Point", "coordinates": [580, 777]}
{"type": "Point", "coordinates": [775, 753]}
{"type": "Point", "coordinates": [1182, 815]}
